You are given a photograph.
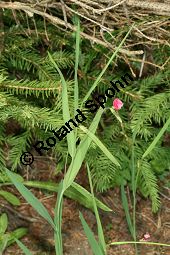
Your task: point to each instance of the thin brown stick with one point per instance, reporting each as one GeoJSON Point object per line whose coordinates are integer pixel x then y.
{"type": "Point", "coordinates": [93, 21]}
{"type": "Point", "coordinates": [58, 21]}
{"type": "Point", "coordinates": [110, 7]}
{"type": "Point", "coordinates": [155, 7]}
{"type": "Point", "coordinates": [21, 216]}
{"type": "Point", "coordinates": [147, 62]}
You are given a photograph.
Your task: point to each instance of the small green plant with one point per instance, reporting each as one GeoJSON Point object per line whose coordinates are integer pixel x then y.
{"type": "Point", "coordinates": [78, 155]}
{"type": "Point", "coordinates": [39, 92]}
{"type": "Point", "coordinates": [7, 238]}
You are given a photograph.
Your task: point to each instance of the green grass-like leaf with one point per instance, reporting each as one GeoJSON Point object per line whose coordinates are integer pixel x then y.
{"type": "Point", "coordinates": [81, 152]}
{"type": "Point", "coordinates": [100, 145]}
{"type": "Point", "coordinates": [10, 197]}
{"type": "Point", "coordinates": [92, 241]}
{"type": "Point", "coordinates": [3, 223]}
{"type": "Point", "coordinates": [99, 225]}
{"type": "Point", "coordinates": [157, 138]}
{"type": "Point", "coordinates": [23, 247]}
{"type": "Point", "coordinates": [65, 107]}
{"type": "Point", "coordinates": [30, 198]}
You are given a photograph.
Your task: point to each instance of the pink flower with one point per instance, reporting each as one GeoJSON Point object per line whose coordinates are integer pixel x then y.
{"type": "Point", "coordinates": [146, 236]}
{"type": "Point", "coordinates": [117, 104]}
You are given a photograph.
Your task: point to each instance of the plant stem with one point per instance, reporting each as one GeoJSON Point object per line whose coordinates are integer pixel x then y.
{"type": "Point", "coordinates": [134, 192]}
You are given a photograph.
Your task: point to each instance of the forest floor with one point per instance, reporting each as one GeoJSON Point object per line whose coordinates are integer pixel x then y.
{"type": "Point", "coordinates": [40, 236]}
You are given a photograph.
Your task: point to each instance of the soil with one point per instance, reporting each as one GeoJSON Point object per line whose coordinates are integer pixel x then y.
{"type": "Point", "coordinates": [40, 235]}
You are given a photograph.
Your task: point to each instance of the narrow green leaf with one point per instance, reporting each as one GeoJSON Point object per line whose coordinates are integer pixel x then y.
{"type": "Point", "coordinates": [10, 197]}
{"type": "Point", "coordinates": [152, 145]}
{"type": "Point", "coordinates": [99, 225]}
{"type": "Point", "coordinates": [76, 86]}
{"type": "Point", "coordinates": [3, 223]}
{"type": "Point", "coordinates": [3, 242]}
{"type": "Point", "coordinates": [23, 247]}
{"type": "Point", "coordinates": [105, 68]}
{"type": "Point", "coordinates": [65, 107]}
{"type": "Point", "coordinates": [142, 242]}
{"type": "Point", "coordinates": [77, 51]}
{"type": "Point", "coordinates": [18, 233]}
{"type": "Point", "coordinates": [100, 145]}
{"type": "Point", "coordinates": [8, 239]}
{"type": "Point", "coordinates": [81, 152]}
{"type": "Point", "coordinates": [75, 192]}
{"type": "Point", "coordinates": [5, 178]}
{"type": "Point", "coordinates": [30, 198]}
{"type": "Point", "coordinates": [58, 220]}
{"type": "Point", "coordinates": [91, 239]}
{"type": "Point", "coordinates": [126, 209]}
{"type": "Point", "coordinates": [86, 197]}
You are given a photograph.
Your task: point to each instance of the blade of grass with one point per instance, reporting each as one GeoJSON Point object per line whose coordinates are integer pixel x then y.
{"type": "Point", "coordinates": [100, 145]}
{"type": "Point", "coordinates": [152, 145]}
{"type": "Point", "coordinates": [75, 192]}
{"type": "Point", "coordinates": [58, 220]}
{"type": "Point", "coordinates": [92, 241]}
{"type": "Point", "coordinates": [23, 247]}
{"type": "Point", "coordinates": [126, 209]}
{"type": "Point", "coordinates": [65, 107]}
{"type": "Point", "coordinates": [88, 197]}
{"type": "Point", "coordinates": [77, 51]}
{"type": "Point", "coordinates": [3, 223]}
{"type": "Point", "coordinates": [105, 68]}
{"type": "Point", "coordinates": [30, 198]}
{"type": "Point", "coordinates": [99, 225]}
{"type": "Point", "coordinates": [3, 242]}
{"type": "Point", "coordinates": [133, 170]}
{"type": "Point", "coordinates": [142, 242]}
{"type": "Point", "coordinates": [17, 233]}
{"type": "Point", "coordinates": [76, 87]}
{"type": "Point", "coordinates": [10, 197]}
{"type": "Point", "coordinates": [81, 152]}
{"type": "Point", "coordinates": [77, 160]}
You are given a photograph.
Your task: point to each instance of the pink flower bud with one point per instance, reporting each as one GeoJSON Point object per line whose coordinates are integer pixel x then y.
{"type": "Point", "coordinates": [117, 104]}
{"type": "Point", "coordinates": [146, 236]}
